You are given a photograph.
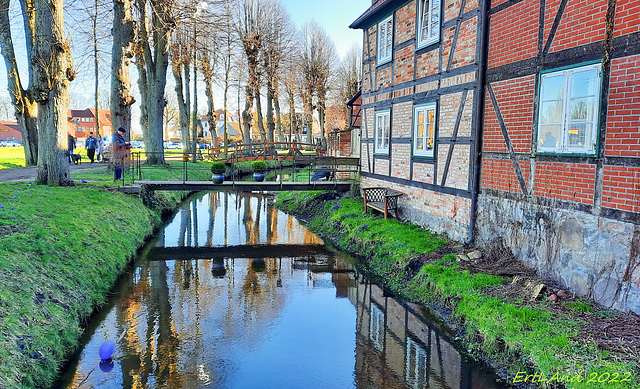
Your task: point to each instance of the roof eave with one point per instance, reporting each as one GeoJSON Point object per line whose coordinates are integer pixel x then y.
{"type": "Point", "coordinates": [373, 14]}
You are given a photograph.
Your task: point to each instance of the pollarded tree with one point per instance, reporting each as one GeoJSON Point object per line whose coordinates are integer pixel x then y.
{"type": "Point", "coordinates": [319, 57]}
{"type": "Point", "coordinates": [278, 40]}
{"type": "Point", "coordinates": [250, 28]}
{"type": "Point", "coordinates": [122, 52]}
{"type": "Point", "coordinates": [180, 64]}
{"type": "Point", "coordinates": [22, 98]}
{"type": "Point", "coordinates": [155, 25]}
{"type": "Point", "coordinates": [53, 71]}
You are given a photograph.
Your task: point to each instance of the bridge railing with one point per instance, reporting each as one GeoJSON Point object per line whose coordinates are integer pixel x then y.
{"type": "Point", "coordinates": [261, 150]}
{"type": "Point", "coordinates": [291, 167]}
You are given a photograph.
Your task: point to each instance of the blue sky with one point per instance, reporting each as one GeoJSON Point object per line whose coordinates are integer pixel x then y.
{"type": "Point", "coordinates": [333, 15]}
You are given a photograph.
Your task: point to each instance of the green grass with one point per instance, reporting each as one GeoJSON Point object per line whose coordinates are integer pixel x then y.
{"type": "Point", "coordinates": [61, 250]}
{"type": "Point", "coordinates": [11, 157]}
{"type": "Point", "coordinates": [521, 337]}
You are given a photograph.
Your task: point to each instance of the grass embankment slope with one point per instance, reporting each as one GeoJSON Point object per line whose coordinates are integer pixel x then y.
{"type": "Point", "coordinates": [532, 337]}
{"type": "Point", "coordinates": [61, 250]}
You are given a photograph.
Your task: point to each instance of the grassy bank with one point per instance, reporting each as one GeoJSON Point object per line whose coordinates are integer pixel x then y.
{"type": "Point", "coordinates": [522, 337]}
{"type": "Point", "coordinates": [61, 250]}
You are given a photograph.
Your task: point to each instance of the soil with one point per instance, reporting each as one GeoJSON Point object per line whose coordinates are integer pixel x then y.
{"type": "Point", "coordinates": [610, 330]}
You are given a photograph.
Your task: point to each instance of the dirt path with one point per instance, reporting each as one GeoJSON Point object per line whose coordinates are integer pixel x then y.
{"type": "Point", "coordinates": [29, 173]}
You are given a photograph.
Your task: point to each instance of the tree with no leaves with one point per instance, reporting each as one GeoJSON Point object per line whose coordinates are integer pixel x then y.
{"type": "Point", "coordinates": [155, 25]}
{"type": "Point", "coordinates": [250, 29]}
{"type": "Point", "coordinates": [122, 52]}
{"type": "Point", "coordinates": [319, 59]}
{"type": "Point", "coordinates": [22, 98]}
{"type": "Point", "coordinates": [50, 73]}
{"type": "Point", "coordinates": [279, 33]}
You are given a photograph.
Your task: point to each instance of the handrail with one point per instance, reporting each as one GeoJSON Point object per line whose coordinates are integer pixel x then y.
{"type": "Point", "coordinates": [334, 169]}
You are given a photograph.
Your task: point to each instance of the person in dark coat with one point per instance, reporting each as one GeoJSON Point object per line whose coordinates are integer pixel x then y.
{"type": "Point", "coordinates": [71, 145]}
{"type": "Point", "coordinates": [120, 148]}
{"type": "Point", "coordinates": [90, 145]}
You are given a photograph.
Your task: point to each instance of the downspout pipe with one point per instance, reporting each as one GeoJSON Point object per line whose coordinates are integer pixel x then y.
{"type": "Point", "coordinates": [483, 47]}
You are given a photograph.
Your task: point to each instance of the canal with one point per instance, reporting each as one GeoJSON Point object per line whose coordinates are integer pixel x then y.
{"type": "Point", "coordinates": [233, 293]}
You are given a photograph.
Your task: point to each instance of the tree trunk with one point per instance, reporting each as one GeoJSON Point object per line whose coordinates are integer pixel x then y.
{"type": "Point", "coordinates": [276, 104]}
{"type": "Point", "coordinates": [121, 98]}
{"type": "Point", "coordinates": [271, 125]}
{"type": "Point", "coordinates": [184, 106]}
{"type": "Point", "coordinates": [247, 116]}
{"type": "Point", "coordinates": [23, 104]}
{"type": "Point", "coordinates": [261, 129]}
{"type": "Point", "coordinates": [54, 71]}
{"type": "Point", "coordinates": [143, 86]}
{"type": "Point", "coordinates": [155, 67]}
{"type": "Point", "coordinates": [96, 70]}
{"type": "Point", "coordinates": [195, 119]}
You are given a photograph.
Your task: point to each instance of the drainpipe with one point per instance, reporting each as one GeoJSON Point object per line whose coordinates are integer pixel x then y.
{"type": "Point", "coordinates": [479, 112]}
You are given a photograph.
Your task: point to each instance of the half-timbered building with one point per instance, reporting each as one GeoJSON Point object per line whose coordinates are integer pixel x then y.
{"type": "Point", "coordinates": [421, 107]}
{"type": "Point", "coordinates": [513, 120]}
{"type": "Point", "coordinates": [561, 142]}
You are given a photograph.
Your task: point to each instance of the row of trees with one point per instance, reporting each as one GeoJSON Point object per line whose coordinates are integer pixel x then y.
{"type": "Point", "coordinates": [221, 42]}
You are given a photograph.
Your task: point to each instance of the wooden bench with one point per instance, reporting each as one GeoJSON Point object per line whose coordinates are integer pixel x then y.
{"type": "Point", "coordinates": [381, 199]}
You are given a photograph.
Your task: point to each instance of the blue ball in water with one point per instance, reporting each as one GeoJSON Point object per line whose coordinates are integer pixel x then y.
{"type": "Point", "coordinates": [106, 350]}
{"type": "Point", "coordinates": [106, 366]}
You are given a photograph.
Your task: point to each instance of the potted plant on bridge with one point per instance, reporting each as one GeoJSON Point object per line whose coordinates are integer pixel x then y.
{"type": "Point", "coordinates": [259, 167]}
{"type": "Point", "coordinates": [217, 172]}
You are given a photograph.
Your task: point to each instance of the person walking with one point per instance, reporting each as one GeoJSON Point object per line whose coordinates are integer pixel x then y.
{"type": "Point", "coordinates": [120, 148]}
{"type": "Point", "coordinates": [71, 144]}
{"type": "Point", "coordinates": [100, 148]}
{"type": "Point", "coordinates": [90, 145]}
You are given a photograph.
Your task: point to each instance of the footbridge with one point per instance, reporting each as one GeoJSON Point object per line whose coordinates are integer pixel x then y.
{"type": "Point", "coordinates": [290, 172]}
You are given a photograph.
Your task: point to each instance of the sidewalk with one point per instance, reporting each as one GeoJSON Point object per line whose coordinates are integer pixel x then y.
{"type": "Point", "coordinates": [30, 173]}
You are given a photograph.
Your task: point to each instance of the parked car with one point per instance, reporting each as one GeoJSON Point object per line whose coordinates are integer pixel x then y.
{"type": "Point", "coordinates": [12, 143]}
{"type": "Point", "coordinates": [137, 144]}
{"type": "Point", "coordinates": [3, 143]}
{"type": "Point", "coordinates": [172, 145]}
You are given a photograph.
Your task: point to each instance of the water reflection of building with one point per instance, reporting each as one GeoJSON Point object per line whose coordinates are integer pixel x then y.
{"type": "Point", "coordinates": [397, 348]}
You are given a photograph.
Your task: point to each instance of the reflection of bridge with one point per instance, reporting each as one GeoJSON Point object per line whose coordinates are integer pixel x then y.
{"type": "Point", "coordinates": [239, 251]}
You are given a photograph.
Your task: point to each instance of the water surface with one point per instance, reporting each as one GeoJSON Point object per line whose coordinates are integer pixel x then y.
{"type": "Point", "coordinates": [236, 294]}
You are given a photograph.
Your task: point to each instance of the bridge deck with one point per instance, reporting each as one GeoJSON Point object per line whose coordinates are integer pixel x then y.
{"type": "Point", "coordinates": [244, 186]}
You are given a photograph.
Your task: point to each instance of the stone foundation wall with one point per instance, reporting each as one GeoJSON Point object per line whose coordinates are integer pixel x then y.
{"type": "Point", "coordinates": [593, 256]}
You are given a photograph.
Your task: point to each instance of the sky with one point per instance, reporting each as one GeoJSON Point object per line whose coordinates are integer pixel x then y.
{"type": "Point", "coordinates": [333, 15]}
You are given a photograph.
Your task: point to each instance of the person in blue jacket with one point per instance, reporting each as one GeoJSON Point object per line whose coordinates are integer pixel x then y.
{"type": "Point", "coordinates": [120, 148]}
{"type": "Point", "coordinates": [90, 145]}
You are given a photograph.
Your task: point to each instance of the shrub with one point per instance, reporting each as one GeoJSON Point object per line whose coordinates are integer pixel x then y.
{"type": "Point", "coordinates": [259, 166]}
{"type": "Point", "coordinates": [218, 167]}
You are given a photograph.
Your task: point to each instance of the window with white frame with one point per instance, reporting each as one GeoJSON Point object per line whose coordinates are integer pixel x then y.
{"type": "Point", "coordinates": [424, 129]}
{"type": "Point", "coordinates": [383, 132]}
{"type": "Point", "coordinates": [568, 111]}
{"type": "Point", "coordinates": [385, 40]}
{"type": "Point", "coordinates": [428, 22]}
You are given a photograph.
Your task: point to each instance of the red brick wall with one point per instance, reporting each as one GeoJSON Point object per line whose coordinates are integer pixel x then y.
{"type": "Point", "coordinates": [582, 23]}
{"type": "Point", "coordinates": [563, 181]}
{"type": "Point", "coordinates": [513, 33]}
{"type": "Point", "coordinates": [515, 99]}
{"type": "Point", "coordinates": [627, 17]}
{"type": "Point", "coordinates": [621, 188]}
{"type": "Point", "coordinates": [501, 175]}
{"type": "Point", "coordinates": [404, 65]}
{"type": "Point", "coordinates": [623, 119]}
{"type": "Point", "coordinates": [405, 23]}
